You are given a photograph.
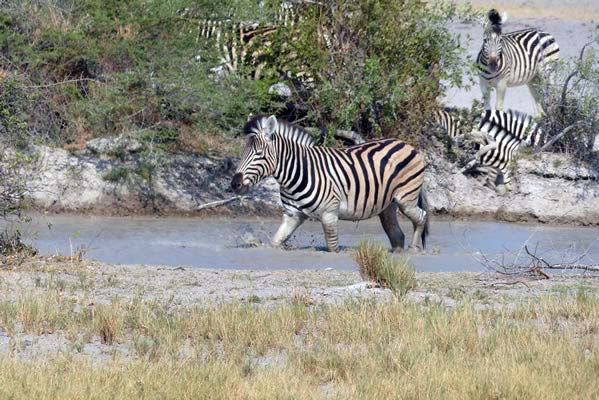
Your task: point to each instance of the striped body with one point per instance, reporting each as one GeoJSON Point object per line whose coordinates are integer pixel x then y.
{"type": "Point", "coordinates": [508, 131]}
{"type": "Point", "coordinates": [245, 44]}
{"type": "Point", "coordinates": [514, 59]}
{"type": "Point", "coordinates": [451, 124]}
{"type": "Point", "coordinates": [523, 54]}
{"type": "Point", "coordinates": [356, 183]}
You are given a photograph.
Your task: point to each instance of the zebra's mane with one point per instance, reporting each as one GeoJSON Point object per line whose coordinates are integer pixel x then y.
{"type": "Point", "coordinates": [284, 129]}
{"type": "Point", "coordinates": [495, 21]}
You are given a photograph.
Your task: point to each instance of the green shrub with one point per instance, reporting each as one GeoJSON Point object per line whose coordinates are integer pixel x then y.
{"type": "Point", "coordinates": [116, 175]}
{"type": "Point", "coordinates": [378, 265]}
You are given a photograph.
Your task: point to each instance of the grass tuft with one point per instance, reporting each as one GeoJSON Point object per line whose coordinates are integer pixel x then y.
{"type": "Point", "coordinates": [378, 265]}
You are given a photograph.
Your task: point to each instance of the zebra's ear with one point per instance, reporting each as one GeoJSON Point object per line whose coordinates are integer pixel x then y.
{"type": "Point", "coordinates": [271, 126]}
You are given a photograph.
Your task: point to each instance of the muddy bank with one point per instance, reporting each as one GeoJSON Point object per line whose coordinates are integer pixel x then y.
{"type": "Point", "coordinates": [548, 188]}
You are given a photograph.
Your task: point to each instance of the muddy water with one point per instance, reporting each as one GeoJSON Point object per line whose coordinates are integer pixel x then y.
{"type": "Point", "coordinates": [452, 245]}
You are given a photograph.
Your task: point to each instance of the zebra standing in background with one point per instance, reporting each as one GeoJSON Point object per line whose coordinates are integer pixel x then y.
{"type": "Point", "coordinates": [356, 183]}
{"type": "Point", "coordinates": [513, 59]}
{"type": "Point", "coordinates": [506, 132]}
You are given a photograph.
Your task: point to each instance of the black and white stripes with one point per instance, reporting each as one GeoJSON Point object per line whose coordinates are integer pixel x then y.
{"type": "Point", "coordinates": [374, 178]}
{"type": "Point", "coordinates": [513, 59]}
{"type": "Point", "coordinates": [504, 133]}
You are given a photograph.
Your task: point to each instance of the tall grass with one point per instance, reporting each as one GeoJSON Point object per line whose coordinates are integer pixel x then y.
{"type": "Point", "coordinates": [378, 265]}
{"type": "Point", "coordinates": [355, 350]}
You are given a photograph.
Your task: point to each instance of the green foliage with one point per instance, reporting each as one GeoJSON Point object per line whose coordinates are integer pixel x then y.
{"type": "Point", "coordinates": [116, 175]}
{"type": "Point", "coordinates": [103, 68]}
{"type": "Point", "coordinates": [378, 64]}
{"type": "Point", "coordinates": [575, 101]}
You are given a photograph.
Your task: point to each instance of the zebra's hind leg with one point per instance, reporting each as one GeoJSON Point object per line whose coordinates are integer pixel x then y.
{"type": "Point", "coordinates": [329, 225]}
{"type": "Point", "coordinates": [291, 221]}
{"type": "Point", "coordinates": [391, 226]}
{"type": "Point", "coordinates": [418, 218]}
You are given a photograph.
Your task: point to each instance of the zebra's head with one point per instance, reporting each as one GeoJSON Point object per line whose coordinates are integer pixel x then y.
{"type": "Point", "coordinates": [259, 158]}
{"type": "Point", "coordinates": [492, 40]}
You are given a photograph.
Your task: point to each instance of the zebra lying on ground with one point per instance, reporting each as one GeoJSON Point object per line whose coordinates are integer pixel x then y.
{"type": "Point", "coordinates": [355, 183]}
{"type": "Point", "coordinates": [513, 59]}
{"type": "Point", "coordinates": [503, 134]}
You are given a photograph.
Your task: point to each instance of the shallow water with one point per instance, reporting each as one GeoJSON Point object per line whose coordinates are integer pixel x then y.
{"type": "Point", "coordinates": [215, 243]}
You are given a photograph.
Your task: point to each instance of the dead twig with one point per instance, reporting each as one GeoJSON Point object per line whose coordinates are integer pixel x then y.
{"type": "Point", "coordinates": [509, 283]}
{"type": "Point", "coordinates": [218, 203]}
{"type": "Point", "coordinates": [560, 135]}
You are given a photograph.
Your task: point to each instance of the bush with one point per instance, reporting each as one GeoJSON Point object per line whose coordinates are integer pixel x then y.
{"type": "Point", "coordinates": [378, 265]}
{"type": "Point", "coordinates": [97, 68]}
{"type": "Point", "coordinates": [575, 101]}
{"type": "Point", "coordinates": [377, 66]}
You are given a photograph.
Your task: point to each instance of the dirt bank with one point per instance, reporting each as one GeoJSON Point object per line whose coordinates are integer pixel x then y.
{"type": "Point", "coordinates": [547, 188]}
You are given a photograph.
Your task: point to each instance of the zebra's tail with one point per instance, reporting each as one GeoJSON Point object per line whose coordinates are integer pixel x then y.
{"type": "Point", "coordinates": [423, 204]}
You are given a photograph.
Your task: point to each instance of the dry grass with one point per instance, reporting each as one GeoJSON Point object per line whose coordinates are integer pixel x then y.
{"type": "Point", "coordinates": [359, 349]}
{"type": "Point", "coordinates": [378, 265]}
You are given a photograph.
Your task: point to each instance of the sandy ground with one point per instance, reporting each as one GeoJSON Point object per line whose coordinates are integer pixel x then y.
{"type": "Point", "coordinates": [585, 10]}
{"type": "Point", "coordinates": [90, 284]}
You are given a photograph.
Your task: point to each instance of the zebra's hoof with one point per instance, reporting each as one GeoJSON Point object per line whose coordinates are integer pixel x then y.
{"type": "Point", "coordinates": [415, 250]}
{"type": "Point", "coordinates": [397, 250]}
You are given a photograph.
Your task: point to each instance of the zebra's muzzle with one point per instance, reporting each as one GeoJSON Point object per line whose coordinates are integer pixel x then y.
{"type": "Point", "coordinates": [237, 184]}
{"type": "Point", "coordinates": [493, 64]}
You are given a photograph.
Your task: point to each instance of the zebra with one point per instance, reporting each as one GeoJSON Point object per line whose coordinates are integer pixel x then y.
{"type": "Point", "coordinates": [504, 132]}
{"type": "Point", "coordinates": [331, 184]}
{"type": "Point", "coordinates": [446, 119]}
{"type": "Point", "coordinates": [244, 44]}
{"type": "Point", "coordinates": [513, 59]}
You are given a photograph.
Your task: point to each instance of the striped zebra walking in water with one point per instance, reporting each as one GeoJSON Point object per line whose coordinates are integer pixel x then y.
{"type": "Point", "coordinates": [505, 133]}
{"type": "Point", "coordinates": [329, 184]}
{"type": "Point", "coordinates": [513, 59]}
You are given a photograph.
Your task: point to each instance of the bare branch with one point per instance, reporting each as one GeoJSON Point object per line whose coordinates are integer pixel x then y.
{"type": "Point", "coordinates": [218, 203]}
{"type": "Point", "coordinates": [560, 135]}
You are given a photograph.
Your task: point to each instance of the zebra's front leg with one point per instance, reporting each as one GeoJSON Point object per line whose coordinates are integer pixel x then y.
{"type": "Point", "coordinates": [501, 89]}
{"type": "Point", "coordinates": [486, 91]}
{"type": "Point", "coordinates": [291, 221]}
{"type": "Point", "coordinates": [329, 225]}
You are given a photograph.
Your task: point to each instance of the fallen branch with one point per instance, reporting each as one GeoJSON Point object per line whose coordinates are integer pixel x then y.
{"type": "Point", "coordinates": [559, 136]}
{"type": "Point", "coordinates": [218, 203]}
{"type": "Point", "coordinates": [509, 283]}
{"type": "Point", "coordinates": [351, 136]}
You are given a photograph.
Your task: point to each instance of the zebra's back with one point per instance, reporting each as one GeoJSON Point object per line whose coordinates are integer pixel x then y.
{"type": "Point", "coordinates": [361, 181]}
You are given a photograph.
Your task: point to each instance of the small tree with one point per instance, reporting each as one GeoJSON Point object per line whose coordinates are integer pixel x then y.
{"type": "Point", "coordinates": [376, 65]}
{"type": "Point", "coordinates": [572, 107]}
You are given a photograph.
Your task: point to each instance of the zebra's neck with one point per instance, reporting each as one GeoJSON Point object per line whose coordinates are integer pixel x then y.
{"type": "Point", "coordinates": [289, 155]}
